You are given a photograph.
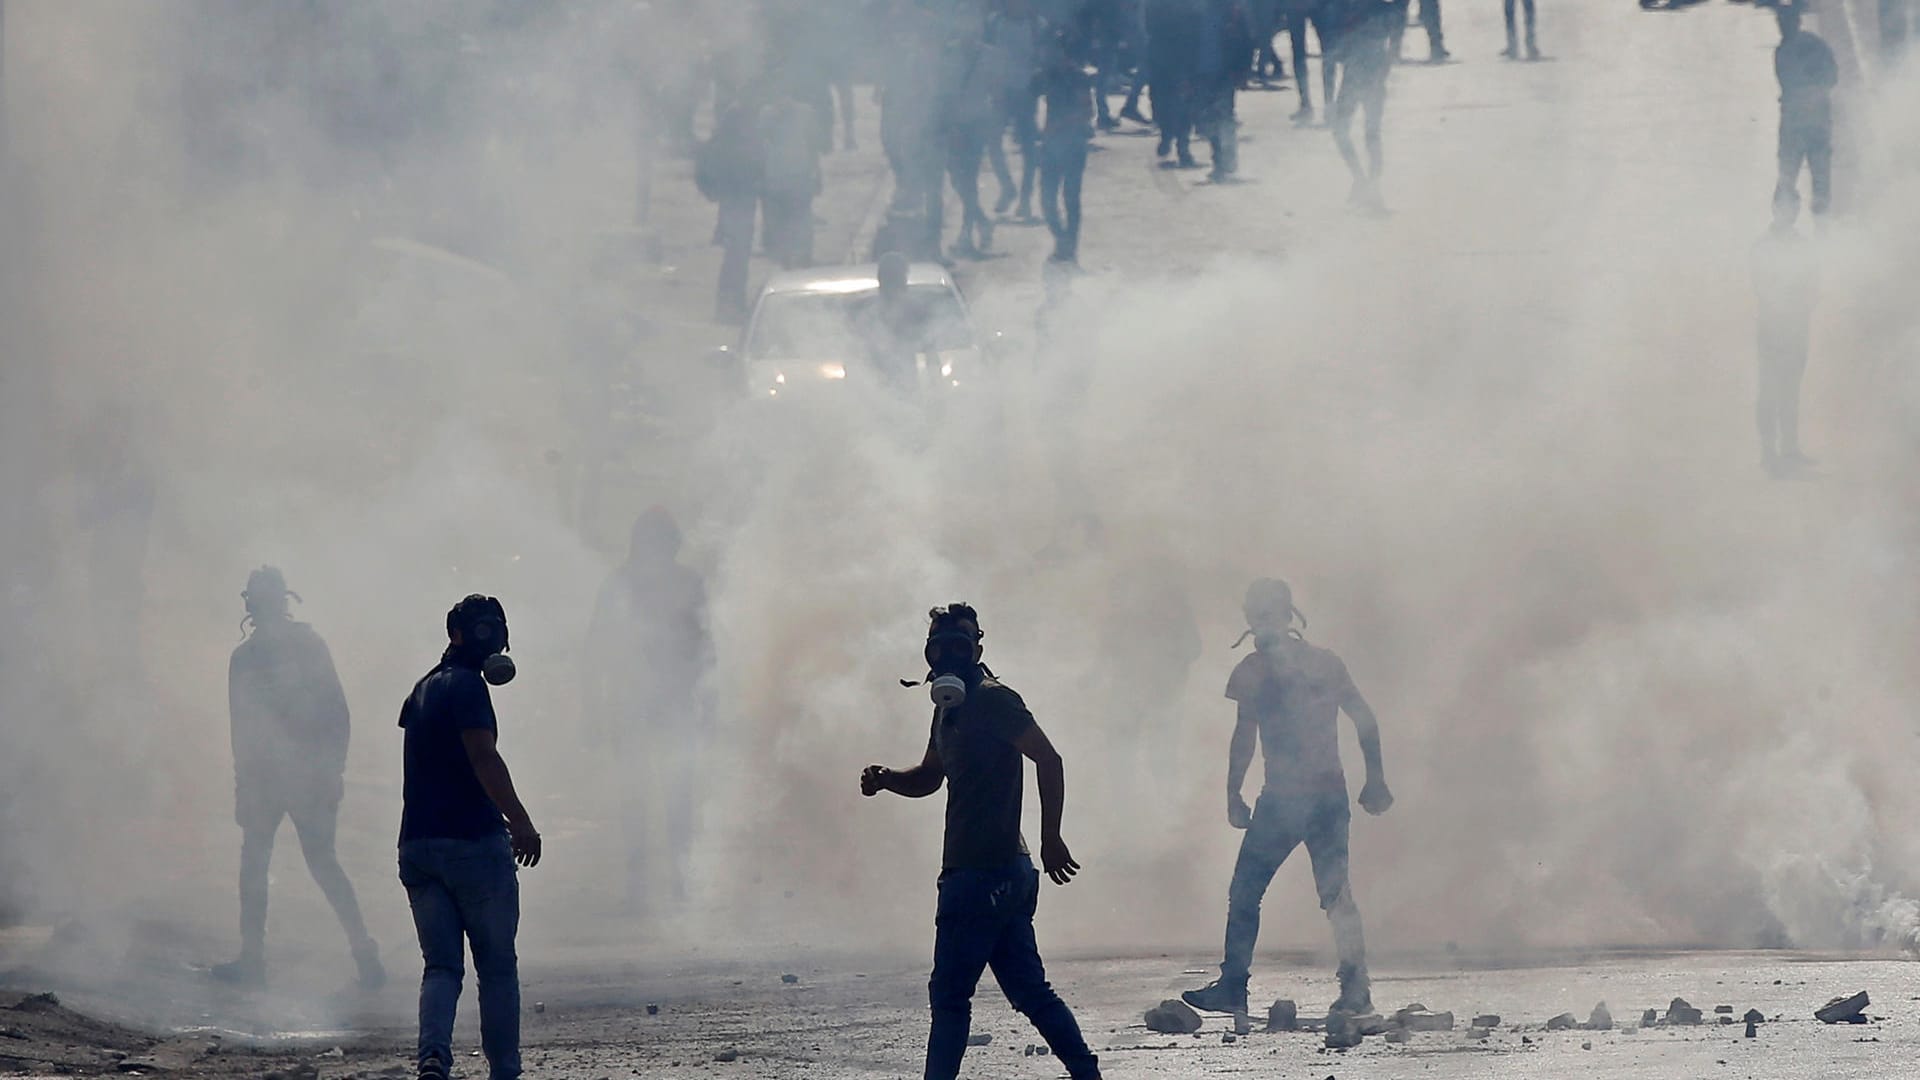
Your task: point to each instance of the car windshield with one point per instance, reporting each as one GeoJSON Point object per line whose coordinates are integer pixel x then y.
{"type": "Point", "coordinates": [824, 325]}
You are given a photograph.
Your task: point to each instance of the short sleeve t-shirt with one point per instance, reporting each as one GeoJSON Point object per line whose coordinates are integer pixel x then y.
{"type": "Point", "coordinates": [985, 774]}
{"type": "Point", "coordinates": [1294, 692]}
{"type": "Point", "coordinates": [441, 797]}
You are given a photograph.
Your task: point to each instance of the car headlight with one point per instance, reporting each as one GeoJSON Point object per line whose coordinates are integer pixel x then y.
{"type": "Point", "coordinates": [833, 371]}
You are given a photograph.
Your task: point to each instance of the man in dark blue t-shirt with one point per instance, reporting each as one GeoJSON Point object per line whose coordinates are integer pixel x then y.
{"type": "Point", "coordinates": [988, 886]}
{"type": "Point", "coordinates": [462, 829]}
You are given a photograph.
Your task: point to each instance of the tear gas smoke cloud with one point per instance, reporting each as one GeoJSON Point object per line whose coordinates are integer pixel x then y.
{"type": "Point", "coordinates": [1631, 693]}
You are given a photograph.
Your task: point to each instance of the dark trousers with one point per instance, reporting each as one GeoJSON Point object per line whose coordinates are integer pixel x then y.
{"type": "Point", "coordinates": [1280, 824]}
{"type": "Point", "coordinates": [1222, 129]}
{"type": "Point", "coordinates": [1811, 144]}
{"type": "Point", "coordinates": [1173, 113]}
{"type": "Point", "coordinates": [789, 225]}
{"type": "Point", "coordinates": [966, 148]}
{"type": "Point", "coordinates": [1026, 137]}
{"type": "Point", "coordinates": [733, 231]}
{"type": "Point", "coordinates": [1513, 46]}
{"type": "Point", "coordinates": [1063, 164]}
{"type": "Point", "coordinates": [985, 920]}
{"type": "Point", "coordinates": [466, 892]}
{"type": "Point", "coordinates": [1430, 22]}
{"type": "Point", "coordinates": [1363, 86]}
{"type": "Point", "coordinates": [315, 823]}
{"type": "Point", "coordinates": [1783, 362]}
{"type": "Point", "coordinates": [1297, 26]}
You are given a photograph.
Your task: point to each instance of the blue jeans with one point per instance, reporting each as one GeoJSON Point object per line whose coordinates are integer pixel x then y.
{"type": "Point", "coordinates": [466, 891]}
{"type": "Point", "coordinates": [986, 919]}
{"type": "Point", "coordinates": [1282, 823]}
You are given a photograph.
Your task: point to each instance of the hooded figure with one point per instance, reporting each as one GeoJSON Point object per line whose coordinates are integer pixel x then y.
{"type": "Point", "coordinates": [289, 725]}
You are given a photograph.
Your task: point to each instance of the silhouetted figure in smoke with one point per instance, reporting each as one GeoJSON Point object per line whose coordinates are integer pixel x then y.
{"type": "Point", "coordinates": [892, 329]}
{"type": "Point", "coordinates": [290, 731]}
{"type": "Point", "coordinates": [910, 132]}
{"type": "Point", "coordinates": [791, 133]}
{"type": "Point", "coordinates": [974, 116]}
{"type": "Point", "coordinates": [1226, 40]}
{"type": "Point", "coordinates": [462, 830]}
{"type": "Point", "coordinates": [1429, 14]}
{"type": "Point", "coordinates": [1068, 94]}
{"type": "Point", "coordinates": [1289, 695]}
{"type": "Point", "coordinates": [1361, 48]}
{"type": "Point", "coordinates": [1805, 67]}
{"type": "Point", "coordinates": [730, 169]}
{"type": "Point", "coordinates": [1512, 51]}
{"type": "Point", "coordinates": [1173, 51]}
{"type": "Point", "coordinates": [648, 656]}
{"type": "Point", "coordinates": [988, 886]}
{"type": "Point", "coordinates": [1786, 286]}
{"type": "Point", "coordinates": [1014, 30]}
{"type": "Point", "coordinates": [1301, 15]}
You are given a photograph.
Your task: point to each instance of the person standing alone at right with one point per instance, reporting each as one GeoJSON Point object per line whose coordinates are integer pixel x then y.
{"type": "Point", "coordinates": [1805, 67]}
{"type": "Point", "coordinates": [1290, 695]}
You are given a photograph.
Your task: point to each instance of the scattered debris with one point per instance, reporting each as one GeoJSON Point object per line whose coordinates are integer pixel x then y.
{"type": "Point", "coordinates": [1586, 1046]}
{"type": "Point", "coordinates": [1228, 1038]}
{"type": "Point", "coordinates": [1679, 1013]}
{"type": "Point", "coordinates": [1479, 1033]}
{"type": "Point", "coordinates": [336, 1053]}
{"type": "Point", "coordinates": [1283, 1015]}
{"type": "Point", "coordinates": [1726, 1021]}
{"type": "Point", "coordinates": [37, 1002]}
{"type": "Point", "coordinates": [1844, 1010]}
{"type": "Point", "coordinates": [1486, 1020]}
{"type": "Point", "coordinates": [653, 1010]}
{"type": "Point", "coordinates": [1526, 1040]}
{"type": "Point", "coordinates": [1373, 1024]}
{"type": "Point", "coordinates": [1029, 1051]}
{"type": "Point", "coordinates": [980, 1039]}
{"type": "Point", "coordinates": [1726, 1010]}
{"type": "Point", "coordinates": [1042, 1050]}
{"type": "Point", "coordinates": [789, 978]}
{"type": "Point", "coordinates": [1755, 1016]}
{"type": "Point", "coordinates": [1563, 1022]}
{"type": "Point", "coordinates": [302, 1071]}
{"type": "Point", "coordinates": [1417, 1018]}
{"type": "Point", "coordinates": [730, 1054]}
{"type": "Point", "coordinates": [1173, 1017]}
{"type": "Point", "coordinates": [1650, 1018]}
{"type": "Point", "coordinates": [1342, 1032]}
{"type": "Point", "coordinates": [1242, 1024]}
{"type": "Point", "coordinates": [1600, 1019]}
{"type": "Point", "coordinates": [1753, 1028]}
{"type": "Point", "coordinates": [1399, 1035]}
{"type": "Point", "coordinates": [539, 1006]}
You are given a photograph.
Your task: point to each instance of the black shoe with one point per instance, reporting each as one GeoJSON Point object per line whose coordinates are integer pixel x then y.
{"type": "Point", "coordinates": [1356, 994]}
{"type": "Point", "coordinates": [1218, 996]}
{"type": "Point", "coordinates": [246, 971]}
{"type": "Point", "coordinates": [1302, 116]}
{"type": "Point", "coordinates": [1187, 162]}
{"type": "Point", "coordinates": [1133, 114]}
{"type": "Point", "coordinates": [1439, 56]}
{"type": "Point", "coordinates": [372, 973]}
{"type": "Point", "coordinates": [1165, 147]}
{"type": "Point", "coordinates": [1005, 202]}
{"type": "Point", "coordinates": [432, 1070]}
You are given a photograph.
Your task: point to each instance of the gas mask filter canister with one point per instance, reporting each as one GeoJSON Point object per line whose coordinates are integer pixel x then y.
{"type": "Point", "coordinates": [947, 691]}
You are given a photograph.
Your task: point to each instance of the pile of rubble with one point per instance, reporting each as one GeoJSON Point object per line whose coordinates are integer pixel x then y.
{"type": "Point", "coordinates": [1344, 1031]}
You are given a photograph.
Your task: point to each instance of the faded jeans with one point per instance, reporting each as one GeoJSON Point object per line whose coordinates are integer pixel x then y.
{"type": "Point", "coordinates": [465, 891]}
{"type": "Point", "coordinates": [986, 919]}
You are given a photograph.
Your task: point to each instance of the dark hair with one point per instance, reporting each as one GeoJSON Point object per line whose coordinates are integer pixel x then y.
{"type": "Point", "coordinates": [474, 607]}
{"type": "Point", "coordinates": [942, 618]}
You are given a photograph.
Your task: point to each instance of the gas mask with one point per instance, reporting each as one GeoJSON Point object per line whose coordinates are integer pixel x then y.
{"type": "Point", "coordinates": [950, 658]}
{"type": "Point", "coordinates": [490, 634]}
{"type": "Point", "coordinates": [482, 623]}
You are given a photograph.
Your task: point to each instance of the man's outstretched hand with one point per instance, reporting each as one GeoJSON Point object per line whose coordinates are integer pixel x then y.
{"type": "Point", "coordinates": [1375, 798]}
{"type": "Point", "coordinates": [526, 843]}
{"type": "Point", "coordinates": [874, 780]}
{"type": "Point", "coordinates": [1056, 861]}
{"type": "Point", "coordinates": [1238, 814]}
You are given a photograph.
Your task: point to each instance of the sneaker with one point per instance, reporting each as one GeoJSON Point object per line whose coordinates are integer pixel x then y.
{"type": "Point", "coordinates": [432, 1070]}
{"type": "Point", "coordinates": [1439, 56]}
{"type": "Point", "coordinates": [246, 971]}
{"type": "Point", "coordinates": [1218, 996]}
{"type": "Point", "coordinates": [1303, 116]}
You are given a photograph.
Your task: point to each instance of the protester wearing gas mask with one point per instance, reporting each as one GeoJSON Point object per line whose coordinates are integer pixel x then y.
{"type": "Point", "coordinates": [462, 830]}
{"type": "Point", "coordinates": [290, 730]}
{"type": "Point", "coordinates": [1289, 695]}
{"type": "Point", "coordinates": [988, 886]}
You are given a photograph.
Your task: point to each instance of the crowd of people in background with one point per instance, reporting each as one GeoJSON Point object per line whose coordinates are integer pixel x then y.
{"type": "Point", "coordinates": [1016, 86]}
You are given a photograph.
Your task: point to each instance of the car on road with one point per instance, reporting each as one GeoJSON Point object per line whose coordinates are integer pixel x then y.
{"type": "Point", "coordinates": [813, 329]}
